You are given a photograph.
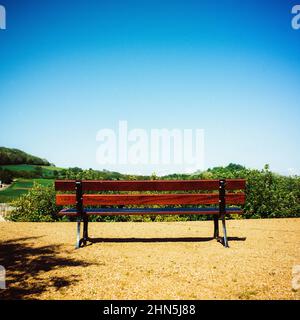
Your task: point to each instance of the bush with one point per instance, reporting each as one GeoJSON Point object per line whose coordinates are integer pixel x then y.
{"type": "Point", "coordinates": [37, 205]}
{"type": "Point", "coordinates": [270, 195]}
{"type": "Point", "coordinates": [6, 176]}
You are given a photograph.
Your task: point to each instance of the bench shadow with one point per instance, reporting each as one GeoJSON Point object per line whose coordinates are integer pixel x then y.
{"type": "Point", "coordinates": [178, 239]}
{"type": "Point", "coordinates": [27, 266]}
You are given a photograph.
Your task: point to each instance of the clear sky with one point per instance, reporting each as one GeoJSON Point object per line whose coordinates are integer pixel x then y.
{"type": "Point", "coordinates": [232, 68]}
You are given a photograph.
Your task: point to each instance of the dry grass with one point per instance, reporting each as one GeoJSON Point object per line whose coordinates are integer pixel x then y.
{"type": "Point", "coordinates": [42, 264]}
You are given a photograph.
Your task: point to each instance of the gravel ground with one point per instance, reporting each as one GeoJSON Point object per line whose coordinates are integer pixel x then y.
{"type": "Point", "coordinates": [167, 260]}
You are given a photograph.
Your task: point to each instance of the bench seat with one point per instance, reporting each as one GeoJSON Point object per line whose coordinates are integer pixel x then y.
{"type": "Point", "coordinates": [149, 211]}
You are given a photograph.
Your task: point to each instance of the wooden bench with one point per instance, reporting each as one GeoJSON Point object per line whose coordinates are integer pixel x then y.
{"type": "Point", "coordinates": [216, 192]}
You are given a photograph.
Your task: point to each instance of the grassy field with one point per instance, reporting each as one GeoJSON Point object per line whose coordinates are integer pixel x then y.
{"type": "Point", "coordinates": [20, 187]}
{"type": "Point", "coordinates": [165, 260]}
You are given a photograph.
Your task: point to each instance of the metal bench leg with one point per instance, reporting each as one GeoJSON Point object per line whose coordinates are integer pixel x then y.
{"type": "Point", "coordinates": [85, 230]}
{"type": "Point", "coordinates": [78, 235]}
{"type": "Point", "coordinates": [224, 232]}
{"type": "Point", "coordinates": [216, 226]}
{"type": "Point", "coordinates": [79, 208]}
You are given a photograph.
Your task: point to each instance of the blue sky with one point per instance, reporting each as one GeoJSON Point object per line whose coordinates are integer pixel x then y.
{"type": "Point", "coordinates": [232, 68]}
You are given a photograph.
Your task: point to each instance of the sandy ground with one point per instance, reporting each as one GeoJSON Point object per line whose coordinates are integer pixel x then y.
{"type": "Point", "coordinates": [168, 260]}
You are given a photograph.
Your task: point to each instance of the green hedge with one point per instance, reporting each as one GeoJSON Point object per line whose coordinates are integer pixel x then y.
{"type": "Point", "coordinates": [37, 205]}
{"type": "Point", "coordinates": [268, 195]}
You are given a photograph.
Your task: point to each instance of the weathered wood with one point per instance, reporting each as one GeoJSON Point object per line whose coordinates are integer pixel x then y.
{"type": "Point", "coordinates": [65, 199]}
{"type": "Point", "coordinates": [149, 185]}
{"type": "Point", "coordinates": [150, 199]}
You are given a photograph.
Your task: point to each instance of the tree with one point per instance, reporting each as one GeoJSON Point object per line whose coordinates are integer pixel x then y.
{"type": "Point", "coordinates": [38, 172]}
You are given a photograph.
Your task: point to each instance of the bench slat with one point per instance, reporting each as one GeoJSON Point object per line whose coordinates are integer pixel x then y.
{"type": "Point", "coordinates": [149, 185]}
{"type": "Point", "coordinates": [150, 199]}
{"type": "Point", "coordinates": [148, 211]}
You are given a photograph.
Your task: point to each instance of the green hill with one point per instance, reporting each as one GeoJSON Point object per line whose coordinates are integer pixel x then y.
{"type": "Point", "coordinates": [10, 156]}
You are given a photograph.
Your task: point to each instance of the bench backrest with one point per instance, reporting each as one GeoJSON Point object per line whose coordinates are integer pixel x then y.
{"type": "Point", "coordinates": [81, 187]}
